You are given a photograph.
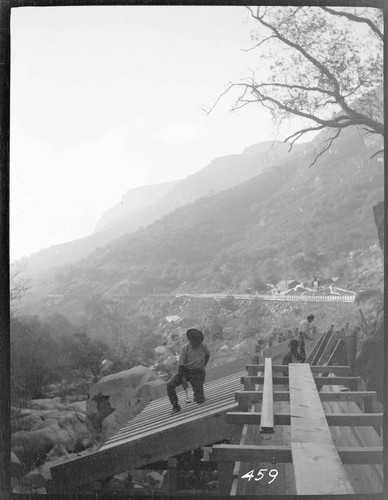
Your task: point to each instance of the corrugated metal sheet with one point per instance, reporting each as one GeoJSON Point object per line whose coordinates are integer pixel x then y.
{"type": "Point", "coordinates": [156, 416]}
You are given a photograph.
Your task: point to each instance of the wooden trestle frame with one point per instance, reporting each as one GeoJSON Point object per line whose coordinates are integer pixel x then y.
{"type": "Point", "coordinates": [313, 431]}
{"type": "Point", "coordinates": [306, 421]}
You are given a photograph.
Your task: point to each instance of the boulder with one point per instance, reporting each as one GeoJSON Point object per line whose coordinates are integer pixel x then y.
{"type": "Point", "coordinates": [170, 363]}
{"type": "Point", "coordinates": [46, 404]}
{"type": "Point", "coordinates": [34, 481]}
{"type": "Point", "coordinates": [118, 397]}
{"type": "Point", "coordinates": [32, 447]}
{"type": "Point", "coordinates": [26, 420]}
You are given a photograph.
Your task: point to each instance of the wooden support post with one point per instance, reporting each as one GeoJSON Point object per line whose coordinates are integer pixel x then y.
{"type": "Point", "coordinates": [225, 477]}
{"type": "Point", "coordinates": [351, 346]}
{"type": "Point", "coordinates": [172, 474]}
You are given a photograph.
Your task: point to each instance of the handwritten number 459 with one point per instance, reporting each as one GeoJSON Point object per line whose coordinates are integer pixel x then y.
{"type": "Point", "coordinates": [273, 473]}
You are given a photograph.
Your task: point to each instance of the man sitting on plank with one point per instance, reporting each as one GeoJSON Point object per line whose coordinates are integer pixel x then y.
{"type": "Point", "coordinates": [193, 358]}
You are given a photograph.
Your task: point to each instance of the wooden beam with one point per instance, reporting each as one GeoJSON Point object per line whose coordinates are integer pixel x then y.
{"type": "Point", "coordinates": [338, 419]}
{"type": "Point", "coordinates": [275, 351]}
{"type": "Point", "coordinates": [321, 348]}
{"type": "Point", "coordinates": [250, 381]}
{"type": "Point", "coordinates": [315, 348]}
{"type": "Point", "coordinates": [151, 447]}
{"type": "Point", "coordinates": [282, 454]}
{"type": "Point", "coordinates": [251, 453]}
{"type": "Point", "coordinates": [245, 397]}
{"type": "Point", "coordinates": [267, 423]}
{"type": "Point", "coordinates": [337, 370]}
{"type": "Point", "coordinates": [324, 356]}
{"type": "Point", "coordinates": [313, 452]}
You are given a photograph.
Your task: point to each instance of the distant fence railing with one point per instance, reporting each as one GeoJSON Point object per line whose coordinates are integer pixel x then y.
{"type": "Point", "coordinates": [281, 298]}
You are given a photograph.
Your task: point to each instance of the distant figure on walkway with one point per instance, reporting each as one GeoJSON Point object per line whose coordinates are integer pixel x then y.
{"type": "Point", "coordinates": [293, 356]}
{"type": "Point", "coordinates": [305, 330]}
{"type": "Point", "coordinates": [193, 358]}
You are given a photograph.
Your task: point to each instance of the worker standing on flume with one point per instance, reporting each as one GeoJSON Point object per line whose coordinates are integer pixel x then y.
{"type": "Point", "coordinates": [193, 358]}
{"type": "Point", "coordinates": [305, 329]}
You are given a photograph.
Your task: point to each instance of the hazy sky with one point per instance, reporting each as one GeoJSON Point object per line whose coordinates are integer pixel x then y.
{"type": "Point", "coordinates": [104, 99]}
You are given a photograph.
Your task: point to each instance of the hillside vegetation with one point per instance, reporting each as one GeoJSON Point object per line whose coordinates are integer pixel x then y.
{"type": "Point", "coordinates": [141, 206]}
{"type": "Point", "coordinates": [288, 222]}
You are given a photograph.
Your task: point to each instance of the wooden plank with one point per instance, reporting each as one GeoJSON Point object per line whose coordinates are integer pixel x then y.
{"type": "Point", "coordinates": [321, 348]}
{"type": "Point", "coordinates": [366, 479]}
{"type": "Point", "coordinates": [283, 454]}
{"type": "Point", "coordinates": [149, 448]}
{"type": "Point", "coordinates": [315, 348]}
{"type": "Point", "coordinates": [313, 452]}
{"type": "Point", "coordinates": [267, 424]}
{"type": "Point", "coordinates": [250, 381]}
{"type": "Point", "coordinates": [337, 370]}
{"type": "Point", "coordinates": [332, 342]}
{"type": "Point", "coordinates": [162, 416]}
{"type": "Point", "coordinates": [334, 356]}
{"type": "Point", "coordinates": [339, 419]}
{"type": "Point", "coordinates": [313, 460]}
{"type": "Point", "coordinates": [245, 397]}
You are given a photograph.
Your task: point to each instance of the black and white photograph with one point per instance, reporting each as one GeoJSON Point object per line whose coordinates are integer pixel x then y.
{"type": "Point", "coordinates": [195, 252]}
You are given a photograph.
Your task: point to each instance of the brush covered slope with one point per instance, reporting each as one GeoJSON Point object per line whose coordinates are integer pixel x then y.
{"type": "Point", "coordinates": [288, 221]}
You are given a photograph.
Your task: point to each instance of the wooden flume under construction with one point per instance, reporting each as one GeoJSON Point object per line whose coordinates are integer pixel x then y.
{"type": "Point", "coordinates": [301, 429]}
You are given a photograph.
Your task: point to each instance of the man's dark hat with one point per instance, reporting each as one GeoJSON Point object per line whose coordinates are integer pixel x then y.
{"type": "Point", "coordinates": [311, 316]}
{"type": "Point", "coordinates": [293, 343]}
{"type": "Point", "coordinates": [194, 334]}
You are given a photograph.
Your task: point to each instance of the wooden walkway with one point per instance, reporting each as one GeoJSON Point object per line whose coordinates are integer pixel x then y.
{"type": "Point", "coordinates": [316, 430]}
{"type": "Point", "coordinates": [288, 428]}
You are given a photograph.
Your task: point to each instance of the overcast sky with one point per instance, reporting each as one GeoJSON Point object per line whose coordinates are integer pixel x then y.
{"type": "Point", "coordinates": [105, 99]}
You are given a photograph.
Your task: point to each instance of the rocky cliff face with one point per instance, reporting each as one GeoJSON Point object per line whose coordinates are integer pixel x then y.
{"type": "Point", "coordinates": [378, 212]}
{"type": "Point", "coordinates": [370, 354]}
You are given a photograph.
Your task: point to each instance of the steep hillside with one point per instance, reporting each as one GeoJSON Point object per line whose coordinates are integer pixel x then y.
{"type": "Point", "coordinates": [133, 200]}
{"type": "Point", "coordinates": [291, 221]}
{"type": "Point", "coordinates": [220, 174]}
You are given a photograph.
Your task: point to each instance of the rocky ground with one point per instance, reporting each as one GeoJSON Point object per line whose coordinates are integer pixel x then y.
{"type": "Point", "coordinates": [53, 430]}
{"type": "Point", "coordinates": [48, 431]}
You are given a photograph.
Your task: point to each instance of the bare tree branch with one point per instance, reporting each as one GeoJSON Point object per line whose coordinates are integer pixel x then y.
{"type": "Point", "coordinates": [297, 135]}
{"type": "Point", "coordinates": [380, 151]}
{"type": "Point", "coordinates": [322, 86]}
{"type": "Point", "coordinates": [259, 44]}
{"type": "Point", "coordinates": [327, 147]}
{"type": "Point", "coordinates": [325, 71]}
{"type": "Point", "coordinates": [302, 51]}
{"type": "Point", "coordinates": [357, 19]}
{"type": "Point", "coordinates": [296, 86]}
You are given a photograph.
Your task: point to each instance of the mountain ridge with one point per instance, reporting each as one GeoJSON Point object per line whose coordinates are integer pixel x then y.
{"type": "Point", "coordinates": [289, 221]}
{"type": "Point", "coordinates": [222, 173]}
